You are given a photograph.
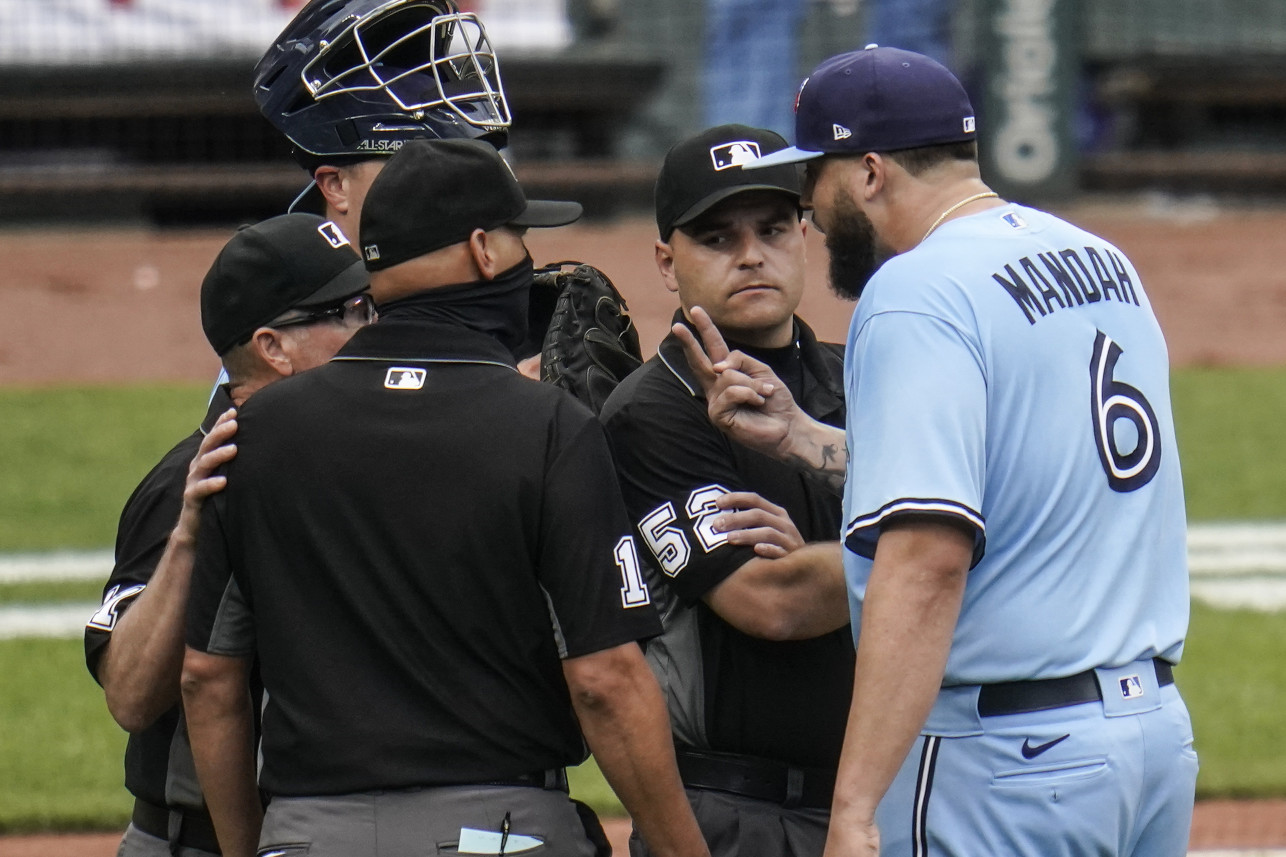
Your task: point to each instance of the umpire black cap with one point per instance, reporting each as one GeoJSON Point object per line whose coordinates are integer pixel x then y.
{"type": "Point", "coordinates": [434, 193]}
{"type": "Point", "coordinates": [290, 261]}
{"type": "Point", "coordinates": [704, 170]}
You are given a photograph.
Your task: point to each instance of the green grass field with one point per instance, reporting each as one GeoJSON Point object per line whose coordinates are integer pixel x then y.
{"type": "Point", "coordinates": [1229, 423]}
{"type": "Point", "coordinates": [1233, 678]}
{"type": "Point", "coordinates": [60, 760]}
{"type": "Point", "coordinates": [70, 458]}
{"type": "Point", "coordinates": [41, 592]}
{"type": "Point", "coordinates": [60, 756]}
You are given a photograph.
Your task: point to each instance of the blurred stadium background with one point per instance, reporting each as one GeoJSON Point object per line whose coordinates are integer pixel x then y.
{"type": "Point", "coordinates": [141, 109]}
{"type": "Point", "coordinates": [137, 115]}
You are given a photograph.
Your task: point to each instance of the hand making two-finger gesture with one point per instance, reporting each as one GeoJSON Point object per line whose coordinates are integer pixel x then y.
{"type": "Point", "coordinates": [750, 404]}
{"type": "Point", "coordinates": [746, 400]}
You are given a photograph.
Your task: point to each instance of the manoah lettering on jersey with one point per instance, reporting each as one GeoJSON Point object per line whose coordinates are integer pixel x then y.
{"type": "Point", "coordinates": [1070, 278]}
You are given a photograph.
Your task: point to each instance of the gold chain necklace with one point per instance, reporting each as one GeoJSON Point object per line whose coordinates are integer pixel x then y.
{"type": "Point", "coordinates": [961, 204]}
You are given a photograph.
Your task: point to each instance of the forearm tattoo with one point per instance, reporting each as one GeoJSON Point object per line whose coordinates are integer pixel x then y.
{"type": "Point", "coordinates": [827, 465]}
{"type": "Point", "coordinates": [831, 459]}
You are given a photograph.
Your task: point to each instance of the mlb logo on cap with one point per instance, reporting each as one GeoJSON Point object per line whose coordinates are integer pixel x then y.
{"type": "Point", "coordinates": [734, 154]}
{"type": "Point", "coordinates": [703, 170]}
{"type": "Point", "coordinates": [333, 234]}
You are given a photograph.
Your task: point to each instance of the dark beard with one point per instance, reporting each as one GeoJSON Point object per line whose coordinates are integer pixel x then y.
{"type": "Point", "coordinates": [854, 250]}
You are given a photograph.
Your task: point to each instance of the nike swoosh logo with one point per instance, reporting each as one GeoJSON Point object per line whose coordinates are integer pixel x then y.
{"type": "Point", "coordinates": [1030, 752]}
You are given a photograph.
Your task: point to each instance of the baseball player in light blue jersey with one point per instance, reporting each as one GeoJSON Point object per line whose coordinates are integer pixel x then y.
{"type": "Point", "coordinates": [1013, 508]}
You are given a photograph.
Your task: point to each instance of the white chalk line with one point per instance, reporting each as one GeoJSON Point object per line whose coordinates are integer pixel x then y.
{"type": "Point", "coordinates": [58, 621]}
{"type": "Point", "coordinates": [55, 566]}
{"type": "Point", "coordinates": [1238, 565]}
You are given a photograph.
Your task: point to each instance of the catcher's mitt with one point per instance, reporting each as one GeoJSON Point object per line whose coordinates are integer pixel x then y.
{"type": "Point", "coordinates": [590, 344]}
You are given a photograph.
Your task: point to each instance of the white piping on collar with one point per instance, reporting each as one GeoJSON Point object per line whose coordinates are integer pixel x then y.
{"type": "Point", "coordinates": [387, 359]}
{"type": "Point", "coordinates": [661, 354]}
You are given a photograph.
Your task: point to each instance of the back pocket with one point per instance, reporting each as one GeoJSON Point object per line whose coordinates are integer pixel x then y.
{"type": "Point", "coordinates": [296, 850]}
{"type": "Point", "coordinates": [1044, 775]}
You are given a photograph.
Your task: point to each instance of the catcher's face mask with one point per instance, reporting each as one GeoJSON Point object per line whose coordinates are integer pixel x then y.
{"type": "Point", "coordinates": [359, 78]}
{"type": "Point", "coordinates": [421, 54]}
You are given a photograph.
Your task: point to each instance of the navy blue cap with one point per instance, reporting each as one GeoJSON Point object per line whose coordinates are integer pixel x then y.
{"type": "Point", "coordinates": [876, 100]}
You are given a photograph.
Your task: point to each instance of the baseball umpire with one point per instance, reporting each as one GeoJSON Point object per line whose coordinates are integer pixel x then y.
{"type": "Point", "coordinates": [1014, 516]}
{"type": "Point", "coordinates": [280, 298]}
{"type": "Point", "coordinates": [757, 658]}
{"type": "Point", "coordinates": [429, 555]}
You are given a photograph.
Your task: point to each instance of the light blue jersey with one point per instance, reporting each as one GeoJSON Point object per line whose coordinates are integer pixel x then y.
{"type": "Point", "coordinates": [1009, 371]}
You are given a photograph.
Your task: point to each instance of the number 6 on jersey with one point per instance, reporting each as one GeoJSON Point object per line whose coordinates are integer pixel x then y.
{"type": "Point", "coordinates": [1111, 400]}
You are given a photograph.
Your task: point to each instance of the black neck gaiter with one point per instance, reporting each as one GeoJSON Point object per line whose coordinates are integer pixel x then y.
{"type": "Point", "coordinates": [785, 362]}
{"type": "Point", "coordinates": [496, 307]}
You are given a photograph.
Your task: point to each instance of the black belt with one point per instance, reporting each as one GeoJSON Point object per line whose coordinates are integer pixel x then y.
{"type": "Point", "coordinates": [554, 779]}
{"type": "Point", "coordinates": [1022, 697]}
{"type": "Point", "coordinates": [762, 779]}
{"type": "Point", "coordinates": [180, 828]}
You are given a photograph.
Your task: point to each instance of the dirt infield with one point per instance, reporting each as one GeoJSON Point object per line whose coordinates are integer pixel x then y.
{"type": "Point", "coordinates": [1221, 825]}
{"type": "Point", "coordinates": [104, 306]}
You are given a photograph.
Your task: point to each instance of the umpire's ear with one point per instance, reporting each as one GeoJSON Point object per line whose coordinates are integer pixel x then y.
{"type": "Point", "coordinates": [272, 353]}
{"type": "Point", "coordinates": [665, 264]}
{"type": "Point", "coordinates": [493, 251]}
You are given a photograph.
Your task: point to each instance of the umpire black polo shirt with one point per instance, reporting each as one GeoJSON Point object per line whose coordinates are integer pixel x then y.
{"type": "Point", "coordinates": [728, 691]}
{"type": "Point", "coordinates": [158, 761]}
{"type": "Point", "coordinates": [416, 534]}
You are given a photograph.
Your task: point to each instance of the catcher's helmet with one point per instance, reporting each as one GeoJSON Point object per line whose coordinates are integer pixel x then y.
{"type": "Point", "coordinates": [353, 79]}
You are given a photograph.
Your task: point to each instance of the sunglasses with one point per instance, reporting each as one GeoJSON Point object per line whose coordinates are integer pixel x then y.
{"type": "Point", "coordinates": [357, 311]}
